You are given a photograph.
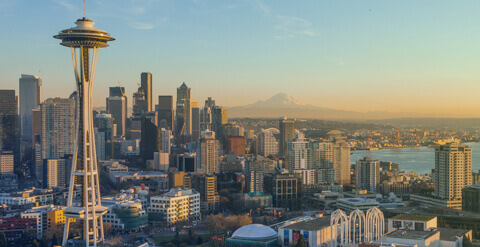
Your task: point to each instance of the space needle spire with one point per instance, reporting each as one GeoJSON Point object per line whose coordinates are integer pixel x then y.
{"type": "Point", "coordinates": [84, 41]}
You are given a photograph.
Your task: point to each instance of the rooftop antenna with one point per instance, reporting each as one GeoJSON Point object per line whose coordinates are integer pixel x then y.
{"type": "Point", "coordinates": [84, 11]}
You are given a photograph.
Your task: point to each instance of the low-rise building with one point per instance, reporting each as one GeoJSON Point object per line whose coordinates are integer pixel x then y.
{"type": "Point", "coordinates": [351, 204]}
{"type": "Point", "coordinates": [315, 231]}
{"type": "Point", "coordinates": [174, 206]}
{"type": "Point", "coordinates": [412, 222]}
{"type": "Point", "coordinates": [471, 198]}
{"type": "Point", "coordinates": [125, 212]}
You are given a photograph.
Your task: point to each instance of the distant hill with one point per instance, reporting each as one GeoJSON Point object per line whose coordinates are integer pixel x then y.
{"type": "Point", "coordinates": [284, 105]}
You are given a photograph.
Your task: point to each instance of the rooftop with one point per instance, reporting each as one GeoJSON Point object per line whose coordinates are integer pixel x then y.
{"type": "Point", "coordinates": [309, 225]}
{"type": "Point", "coordinates": [414, 217]}
{"type": "Point", "coordinates": [411, 234]}
{"type": "Point", "coordinates": [447, 234]}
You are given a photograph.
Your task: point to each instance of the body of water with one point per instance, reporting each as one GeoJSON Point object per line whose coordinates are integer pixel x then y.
{"type": "Point", "coordinates": [417, 159]}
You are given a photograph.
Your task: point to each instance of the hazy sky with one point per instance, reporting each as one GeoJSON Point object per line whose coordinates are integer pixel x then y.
{"type": "Point", "coordinates": [410, 56]}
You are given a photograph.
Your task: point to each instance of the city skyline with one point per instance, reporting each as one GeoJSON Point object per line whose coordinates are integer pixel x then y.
{"type": "Point", "coordinates": [401, 57]}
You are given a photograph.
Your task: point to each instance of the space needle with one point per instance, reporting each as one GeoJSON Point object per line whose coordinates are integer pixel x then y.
{"type": "Point", "coordinates": [84, 41]}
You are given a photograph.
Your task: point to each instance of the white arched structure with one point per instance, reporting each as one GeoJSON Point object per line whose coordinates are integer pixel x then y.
{"type": "Point", "coordinates": [339, 224]}
{"type": "Point", "coordinates": [357, 227]}
{"type": "Point", "coordinates": [374, 225]}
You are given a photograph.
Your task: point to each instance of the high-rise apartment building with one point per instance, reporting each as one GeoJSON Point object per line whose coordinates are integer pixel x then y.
{"type": "Point", "coordinates": [299, 154]}
{"type": "Point", "coordinates": [208, 149]}
{"type": "Point", "coordinates": [30, 97]}
{"type": "Point", "coordinates": [471, 198]}
{"type": "Point", "coordinates": [367, 174]}
{"type": "Point", "coordinates": [6, 162]}
{"type": "Point", "coordinates": [206, 185]}
{"type": "Point", "coordinates": [117, 108]}
{"type": "Point", "coordinates": [256, 167]}
{"type": "Point", "coordinates": [453, 170]}
{"type": "Point", "coordinates": [58, 127]}
{"type": "Point", "coordinates": [50, 173]}
{"type": "Point", "coordinates": [166, 140]}
{"type": "Point", "coordinates": [323, 161]}
{"type": "Point", "coordinates": [146, 85]}
{"type": "Point", "coordinates": [165, 112]}
{"type": "Point", "coordinates": [341, 157]}
{"type": "Point", "coordinates": [106, 127]}
{"type": "Point", "coordinates": [266, 143]}
{"type": "Point", "coordinates": [287, 133]}
{"type": "Point", "coordinates": [309, 176]}
{"type": "Point", "coordinates": [285, 188]}
{"type": "Point", "coordinates": [9, 131]}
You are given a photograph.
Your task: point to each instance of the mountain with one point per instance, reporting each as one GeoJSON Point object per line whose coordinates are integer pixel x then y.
{"type": "Point", "coordinates": [284, 105]}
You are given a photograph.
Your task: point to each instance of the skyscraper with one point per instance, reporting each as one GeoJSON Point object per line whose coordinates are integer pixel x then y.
{"type": "Point", "coordinates": [184, 111]}
{"type": "Point", "coordinates": [453, 170]}
{"type": "Point", "coordinates": [151, 140]}
{"type": "Point", "coordinates": [50, 173]}
{"type": "Point", "coordinates": [140, 104]}
{"type": "Point", "coordinates": [208, 149]}
{"type": "Point", "coordinates": [341, 157]}
{"type": "Point", "coordinates": [367, 174]}
{"type": "Point", "coordinates": [146, 85]}
{"type": "Point", "coordinates": [105, 126]}
{"type": "Point", "coordinates": [195, 123]}
{"type": "Point", "coordinates": [6, 162]}
{"type": "Point", "coordinates": [30, 97]}
{"type": "Point", "coordinates": [82, 39]}
{"type": "Point", "coordinates": [57, 127]}
{"type": "Point", "coordinates": [287, 133]}
{"type": "Point", "coordinates": [165, 112]}
{"type": "Point", "coordinates": [117, 107]}
{"type": "Point", "coordinates": [9, 131]}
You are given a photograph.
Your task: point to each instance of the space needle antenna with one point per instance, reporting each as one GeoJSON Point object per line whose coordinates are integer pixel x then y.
{"type": "Point", "coordinates": [84, 11]}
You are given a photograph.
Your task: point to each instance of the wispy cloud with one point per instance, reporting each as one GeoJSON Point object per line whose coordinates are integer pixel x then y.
{"type": "Point", "coordinates": [65, 4]}
{"type": "Point", "coordinates": [286, 26]}
{"type": "Point", "coordinates": [290, 27]}
{"type": "Point", "coordinates": [142, 25]}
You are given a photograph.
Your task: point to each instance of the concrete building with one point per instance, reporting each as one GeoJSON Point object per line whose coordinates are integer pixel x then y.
{"type": "Point", "coordinates": [50, 173]}
{"type": "Point", "coordinates": [471, 198]}
{"type": "Point", "coordinates": [299, 154]}
{"type": "Point", "coordinates": [316, 232]}
{"type": "Point", "coordinates": [367, 174]}
{"type": "Point", "coordinates": [175, 206]}
{"type": "Point", "coordinates": [58, 127]}
{"type": "Point", "coordinates": [206, 185]}
{"type": "Point", "coordinates": [208, 149]}
{"type": "Point", "coordinates": [351, 204]}
{"type": "Point", "coordinates": [161, 161]}
{"type": "Point", "coordinates": [309, 176]}
{"type": "Point", "coordinates": [256, 168]}
{"type": "Point", "coordinates": [285, 188]}
{"type": "Point", "coordinates": [266, 143]}
{"type": "Point", "coordinates": [125, 212]}
{"type": "Point", "coordinates": [453, 170]}
{"type": "Point", "coordinates": [6, 162]}
{"type": "Point", "coordinates": [40, 213]}
{"type": "Point", "coordinates": [236, 144]}
{"type": "Point", "coordinates": [187, 162]}
{"type": "Point", "coordinates": [117, 108]}
{"type": "Point", "coordinates": [412, 222]}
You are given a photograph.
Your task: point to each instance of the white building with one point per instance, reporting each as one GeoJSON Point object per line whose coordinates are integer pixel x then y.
{"type": "Point", "coordinates": [161, 161]}
{"type": "Point", "coordinates": [166, 140]}
{"type": "Point", "coordinates": [367, 174]}
{"type": "Point", "coordinates": [316, 232]}
{"type": "Point", "coordinates": [299, 154]}
{"type": "Point", "coordinates": [308, 176]}
{"type": "Point", "coordinates": [100, 144]}
{"type": "Point", "coordinates": [126, 212]}
{"type": "Point", "coordinates": [453, 170]}
{"type": "Point", "coordinates": [57, 127]}
{"type": "Point", "coordinates": [117, 107]}
{"type": "Point", "coordinates": [40, 214]}
{"type": "Point", "coordinates": [267, 144]}
{"type": "Point", "coordinates": [412, 222]}
{"type": "Point", "coordinates": [50, 173]}
{"type": "Point", "coordinates": [208, 149]}
{"type": "Point", "coordinates": [351, 204]}
{"type": "Point", "coordinates": [176, 205]}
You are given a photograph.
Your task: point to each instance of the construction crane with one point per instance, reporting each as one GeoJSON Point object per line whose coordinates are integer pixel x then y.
{"type": "Point", "coordinates": [121, 90]}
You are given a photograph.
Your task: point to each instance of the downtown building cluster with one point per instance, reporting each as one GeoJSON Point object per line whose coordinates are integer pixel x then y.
{"type": "Point", "coordinates": [173, 160]}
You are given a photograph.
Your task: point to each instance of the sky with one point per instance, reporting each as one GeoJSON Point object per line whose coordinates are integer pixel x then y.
{"type": "Point", "coordinates": [396, 56]}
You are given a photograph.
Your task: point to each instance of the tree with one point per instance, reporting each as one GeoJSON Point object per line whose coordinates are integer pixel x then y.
{"type": "Point", "coordinates": [301, 241]}
{"type": "Point", "coordinates": [43, 242]}
{"type": "Point", "coordinates": [236, 221]}
{"type": "Point", "coordinates": [200, 240]}
{"type": "Point", "coordinates": [35, 243]}
{"type": "Point", "coordinates": [3, 240]}
{"type": "Point", "coordinates": [216, 223]}
{"type": "Point", "coordinates": [54, 239]}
